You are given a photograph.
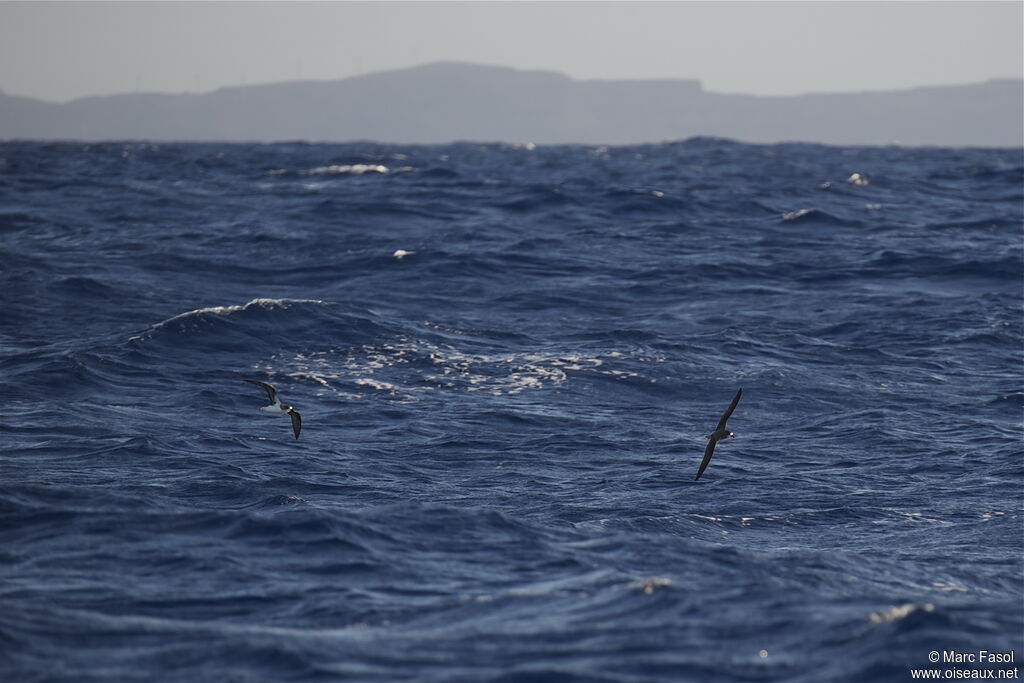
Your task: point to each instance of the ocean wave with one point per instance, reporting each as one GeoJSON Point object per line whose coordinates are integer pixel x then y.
{"type": "Point", "coordinates": [815, 217]}
{"type": "Point", "coordinates": [351, 169]}
{"type": "Point", "coordinates": [213, 320]}
{"type": "Point", "coordinates": [495, 476]}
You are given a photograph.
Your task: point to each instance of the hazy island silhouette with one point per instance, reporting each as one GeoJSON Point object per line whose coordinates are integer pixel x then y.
{"type": "Point", "coordinates": [447, 102]}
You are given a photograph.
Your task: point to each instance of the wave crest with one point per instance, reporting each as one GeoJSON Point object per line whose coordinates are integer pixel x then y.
{"type": "Point", "coordinates": [196, 317]}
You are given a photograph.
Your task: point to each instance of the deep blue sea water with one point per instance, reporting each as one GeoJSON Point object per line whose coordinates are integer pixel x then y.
{"type": "Point", "coordinates": [495, 477]}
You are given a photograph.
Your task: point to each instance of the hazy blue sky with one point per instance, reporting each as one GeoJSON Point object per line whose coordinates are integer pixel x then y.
{"type": "Point", "coordinates": [63, 50]}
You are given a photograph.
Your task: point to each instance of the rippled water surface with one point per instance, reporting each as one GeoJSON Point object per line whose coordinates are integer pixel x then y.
{"type": "Point", "coordinates": [501, 427]}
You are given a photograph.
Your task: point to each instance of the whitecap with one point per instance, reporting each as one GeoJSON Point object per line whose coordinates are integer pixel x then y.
{"type": "Point", "coordinates": [225, 311]}
{"type": "Point", "coordinates": [351, 169]}
{"type": "Point", "coordinates": [889, 614]}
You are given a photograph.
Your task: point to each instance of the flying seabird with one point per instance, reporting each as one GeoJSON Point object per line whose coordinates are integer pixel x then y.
{"type": "Point", "coordinates": [720, 433]}
{"type": "Point", "coordinates": [402, 253]}
{"type": "Point", "coordinates": [277, 407]}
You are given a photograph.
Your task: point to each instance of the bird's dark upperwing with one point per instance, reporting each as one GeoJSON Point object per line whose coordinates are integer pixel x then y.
{"type": "Point", "coordinates": [271, 391]}
{"type": "Point", "coordinates": [296, 421]}
{"type": "Point", "coordinates": [728, 412]}
{"type": "Point", "coordinates": [708, 452]}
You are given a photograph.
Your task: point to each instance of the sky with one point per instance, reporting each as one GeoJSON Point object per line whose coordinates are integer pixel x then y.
{"type": "Point", "coordinates": [59, 51]}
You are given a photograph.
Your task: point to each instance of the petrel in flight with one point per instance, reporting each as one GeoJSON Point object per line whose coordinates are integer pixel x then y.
{"type": "Point", "coordinates": [277, 407]}
{"type": "Point", "coordinates": [720, 433]}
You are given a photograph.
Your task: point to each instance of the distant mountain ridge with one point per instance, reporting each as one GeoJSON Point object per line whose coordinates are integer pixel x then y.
{"type": "Point", "coordinates": [446, 102]}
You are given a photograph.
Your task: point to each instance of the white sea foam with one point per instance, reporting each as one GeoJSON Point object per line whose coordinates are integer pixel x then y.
{"type": "Point", "coordinates": [888, 614]}
{"type": "Point", "coordinates": [409, 367]}
{"type": "Point", "coordinates": [351, 169]}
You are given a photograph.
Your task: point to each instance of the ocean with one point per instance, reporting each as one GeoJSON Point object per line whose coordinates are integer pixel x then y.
{"type": "Point", "coordinates": [501, 423]}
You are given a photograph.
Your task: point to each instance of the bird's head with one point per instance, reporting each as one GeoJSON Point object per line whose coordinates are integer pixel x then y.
{"type": "Point", "coordinates": [729, 435]}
